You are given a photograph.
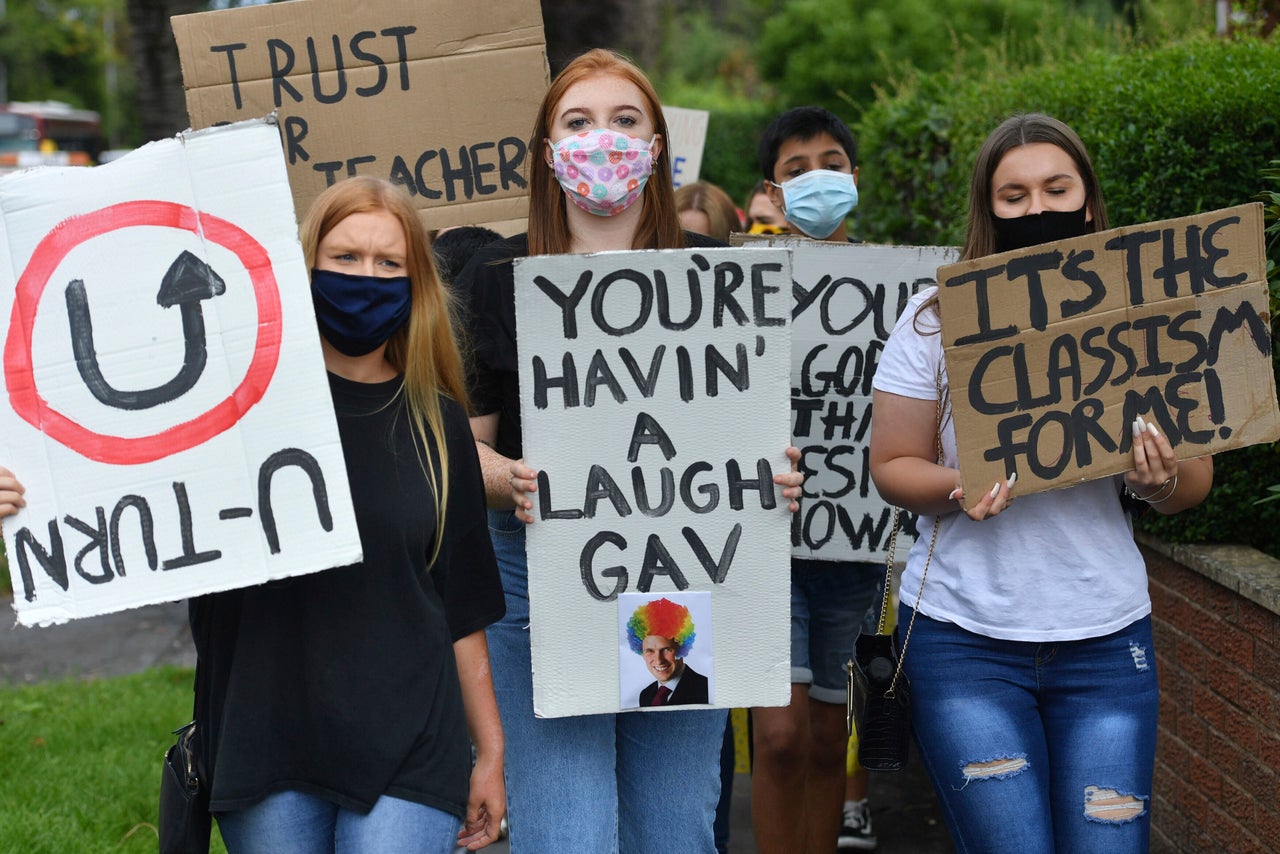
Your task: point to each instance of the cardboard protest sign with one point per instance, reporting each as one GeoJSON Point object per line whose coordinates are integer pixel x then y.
{"type": "Point", "coordinates": [653, 398]}
{"type": "Point", "coordinates": [166, 404]}
{"type": "Point", "coordinates": [1054, 350]}
{"type": "Point", "coordinates": [688, 129]}
{"type": "Point", "coordinates": [436, 96]}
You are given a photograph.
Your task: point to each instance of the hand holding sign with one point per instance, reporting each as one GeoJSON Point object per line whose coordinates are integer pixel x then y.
{"type": "Point", "coordinates": [11, 490]}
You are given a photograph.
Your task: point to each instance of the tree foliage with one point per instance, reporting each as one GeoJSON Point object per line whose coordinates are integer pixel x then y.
{"type": "Point", "coordinates": [73, 51]}
{"type": "Point", "coordinates": [1173, 131]}
{"type": "Point", "coordinates": [837, 53]}
{"type": "Point", "coordinates": [57, 50]}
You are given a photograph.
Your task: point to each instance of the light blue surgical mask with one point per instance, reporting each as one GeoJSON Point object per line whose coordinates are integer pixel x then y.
{"type": "Point", "coordinates": [817, 201]}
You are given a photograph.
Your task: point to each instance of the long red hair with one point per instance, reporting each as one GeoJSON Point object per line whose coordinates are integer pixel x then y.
{"type": "Point", "coordinates": [548, 220]}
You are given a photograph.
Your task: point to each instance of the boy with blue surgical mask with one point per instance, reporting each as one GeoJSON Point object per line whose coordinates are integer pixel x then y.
{"type": "Point", "coordinates": [808, 159]}
{"type": "Point", "coordinates": [809, 162]}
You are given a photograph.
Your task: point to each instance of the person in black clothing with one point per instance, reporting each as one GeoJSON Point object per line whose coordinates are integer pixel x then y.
{"type": "Point", "coordinates": [335, 707]}
{"type": "Point", "coordinates": [453, 248]}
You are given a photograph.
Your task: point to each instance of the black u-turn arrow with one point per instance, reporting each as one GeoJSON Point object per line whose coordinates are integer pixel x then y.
{"type": "Point", "coordinates": [188, 282]}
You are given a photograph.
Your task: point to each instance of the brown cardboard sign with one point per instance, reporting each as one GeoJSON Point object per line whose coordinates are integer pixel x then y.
{"type": "Point", "coordinates": [436, 96]}
{"type": "Point", "coordinates": [1053, 351]}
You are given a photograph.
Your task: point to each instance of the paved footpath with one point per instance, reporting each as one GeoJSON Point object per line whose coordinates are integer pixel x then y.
{"type": "Point", "coordinates": [904, 810]}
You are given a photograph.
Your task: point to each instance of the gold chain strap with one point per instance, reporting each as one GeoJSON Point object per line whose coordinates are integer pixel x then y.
{"type": "Point", "coordinates": [924, 573]}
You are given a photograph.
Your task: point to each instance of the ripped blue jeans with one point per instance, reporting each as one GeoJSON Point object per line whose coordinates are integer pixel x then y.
{"type": "Point", "coordinates": [1036, 747]}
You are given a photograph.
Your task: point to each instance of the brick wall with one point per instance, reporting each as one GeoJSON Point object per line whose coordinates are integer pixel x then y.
{"type": "Point", "coordinates": [1217, 780]}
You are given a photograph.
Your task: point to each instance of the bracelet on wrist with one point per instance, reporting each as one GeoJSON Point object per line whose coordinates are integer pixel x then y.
{"type": "Point", "coordinates": [1171, 485]}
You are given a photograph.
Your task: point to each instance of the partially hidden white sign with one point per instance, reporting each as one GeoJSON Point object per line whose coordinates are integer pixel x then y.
{"type": "Point", "coordinates": [165, 403]}
{"type": "Point", "coordinates": [654, 403]}
{"type": "Point", "coordinates": [847, 299]}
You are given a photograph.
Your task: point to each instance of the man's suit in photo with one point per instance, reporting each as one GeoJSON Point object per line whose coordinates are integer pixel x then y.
{"type": "Point", "coordinates": [691, 690]}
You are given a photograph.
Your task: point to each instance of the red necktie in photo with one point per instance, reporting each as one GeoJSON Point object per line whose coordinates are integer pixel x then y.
{"type": "Point", "coordinates": [660, 698]}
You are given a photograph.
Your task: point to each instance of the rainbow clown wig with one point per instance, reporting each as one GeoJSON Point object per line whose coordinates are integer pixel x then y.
{"type": "Point", "coordinates": [661, 617]}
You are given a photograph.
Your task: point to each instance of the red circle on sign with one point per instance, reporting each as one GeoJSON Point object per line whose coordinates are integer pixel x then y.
{"type": "Point", "coordinates": [19, 372]}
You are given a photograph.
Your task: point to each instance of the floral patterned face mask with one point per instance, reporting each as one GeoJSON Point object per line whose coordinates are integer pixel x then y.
{"type": "Point", "coordinates": [602, 171]}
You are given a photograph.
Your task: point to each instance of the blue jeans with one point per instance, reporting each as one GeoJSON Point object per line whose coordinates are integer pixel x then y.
{"type": "Point", "coordinates": [295, 823]}
{"type": "Point", "coordinates": [1036, 747]}
{"type": "Point", "coordinates": [595, 784]}
{"type": "Point", "coordinates": [830, 601]}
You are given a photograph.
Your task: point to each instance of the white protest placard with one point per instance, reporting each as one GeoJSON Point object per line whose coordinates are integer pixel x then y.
{"type": "Point", "coordinates": [434, 95]}
{"type": "Point", "coordinates": [166, 404]}
{"type": "Point", "coordinates": [688, 129]}
{"type": "Point", "coordinates": [653, 399]}
{"type": "Point", "coordinates": [847, 298]}
{"type": "Point", "coordinates": [1054, 350]}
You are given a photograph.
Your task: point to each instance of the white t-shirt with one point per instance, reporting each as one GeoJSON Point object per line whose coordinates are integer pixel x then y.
{"type": "Point", "coordinates": [1055, 566]}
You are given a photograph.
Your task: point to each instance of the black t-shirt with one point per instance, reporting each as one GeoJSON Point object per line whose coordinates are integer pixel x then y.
{"type": "Point", "coordinates": [343, 684]}
{"type": "Point", "coordinates": [494, 372]}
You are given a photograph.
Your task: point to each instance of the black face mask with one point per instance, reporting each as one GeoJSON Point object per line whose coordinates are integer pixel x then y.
{"type": "Point", "coordinates": [1019, 232]}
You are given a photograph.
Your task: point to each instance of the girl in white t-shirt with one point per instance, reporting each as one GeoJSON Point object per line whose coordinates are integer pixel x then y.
{"type": "Point", "coordinates": [1033, 677]}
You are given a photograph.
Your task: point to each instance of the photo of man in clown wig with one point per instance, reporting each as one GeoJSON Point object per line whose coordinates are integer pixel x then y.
{"type": "Point", "coordinates": [662, 632]}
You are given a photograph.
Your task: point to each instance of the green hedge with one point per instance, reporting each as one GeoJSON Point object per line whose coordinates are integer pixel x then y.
{"type": "Point", "coordinates": [1173, 131]}
{"type": "Point", "coordinates": [729, 159]}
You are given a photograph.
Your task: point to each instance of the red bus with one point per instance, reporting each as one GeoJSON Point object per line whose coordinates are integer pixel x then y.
{"type": "Point", "coordinates": [48, 133]}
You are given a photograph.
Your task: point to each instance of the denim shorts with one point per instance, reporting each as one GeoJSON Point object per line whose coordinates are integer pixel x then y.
{"type": "Point", "coordinates": [830, 602]}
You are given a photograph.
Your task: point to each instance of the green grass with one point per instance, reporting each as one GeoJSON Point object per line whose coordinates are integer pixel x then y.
{"type": "Point", "coordinates": [80, 761]}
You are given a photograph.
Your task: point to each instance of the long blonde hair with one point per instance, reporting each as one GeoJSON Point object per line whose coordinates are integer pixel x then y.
{"type": "Point", "coordinates": [424, 350]}
{"type": "Point", "coordinates": [659, 226]}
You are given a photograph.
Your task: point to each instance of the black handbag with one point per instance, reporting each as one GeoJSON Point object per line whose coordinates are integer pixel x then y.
{"type": "Point", "coordinates": [879, 697]}
{"type": "Point", "coordinates": [882, 697]}
{"type": "Point", "coordinates": [879, 704]}
{"type": "Point", "coordinates": [185, 822]}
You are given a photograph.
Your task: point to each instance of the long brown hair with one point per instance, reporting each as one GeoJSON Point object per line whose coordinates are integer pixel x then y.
{"type": "Point", "coordinates": [1014, 132]}
{"type": "Point", "coordinates": [548, 220]}
{"type": "Point", "coordinates": [424, 350]}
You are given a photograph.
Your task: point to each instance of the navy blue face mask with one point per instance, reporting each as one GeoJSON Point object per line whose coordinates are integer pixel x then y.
{"type": "Point", "coordinates": [1019, 232]}
{"type": "Point", "coordinates": [357, 314]}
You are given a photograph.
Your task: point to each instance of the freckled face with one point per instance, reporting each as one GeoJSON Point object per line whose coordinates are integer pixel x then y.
{"type": "Point", "coordinates": [371, 243]}
{"type": "Point", "coordinates": [603, 101]}
{"type": "Point", "coordinates": [1034, 178]}
{"type": "Point", "coordinates": [660, 657]}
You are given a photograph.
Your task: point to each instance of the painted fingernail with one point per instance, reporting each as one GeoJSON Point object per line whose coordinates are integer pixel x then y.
{"type": "Point", "coordinates": [995, 490]}
{"type": "Point", "coordinates": [954, 493]}
{"type": "Point", "coordinates": [1142, 425]}
{"type": "Point", "coordinates": [1151, 428]}
{"type": "Point", "coordinates": [1013, 478]}
{"type": "Point", "coordinates": [1137, 430]}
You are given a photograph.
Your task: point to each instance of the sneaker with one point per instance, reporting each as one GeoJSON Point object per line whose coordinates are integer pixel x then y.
{"type": "Point", "coordinates": [856, 833]}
